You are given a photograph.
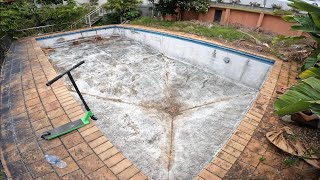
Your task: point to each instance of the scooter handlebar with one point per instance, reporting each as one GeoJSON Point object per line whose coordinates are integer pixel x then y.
{"type": "Point", "coordinates": [62, 74]}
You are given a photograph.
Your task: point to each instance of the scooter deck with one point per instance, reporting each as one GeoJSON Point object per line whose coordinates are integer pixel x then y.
{"type": "Point", "coordinates": [64, 129]}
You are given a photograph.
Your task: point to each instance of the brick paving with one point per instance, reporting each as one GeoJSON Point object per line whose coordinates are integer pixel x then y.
{"type": "Point", "coordinates": [29, 108]}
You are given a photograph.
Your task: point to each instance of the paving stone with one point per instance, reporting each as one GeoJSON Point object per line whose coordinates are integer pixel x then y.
{"type": "Point", "coordinates": [265, 171]}
{"type": "Point", "coordinates": [103, 147]}
{"type": "Point", "coordinates": [139, 176]}
{"type": "Point", "coordinates": [109, 153]}
{"type": "Point", "coordinates": [90, 163]}
{"type": "Point", "coordinates": [236, 145]}
{"type": "Point", "coordinates": [227, 157]}
{"type": "Point", "coordinates": [52, 106]}
{"type": "Point", "coordinates": [198, 178]}
{"type": "Point", "coordinates": [273, 159]}
{"type": "Point", "coordinates": [93, 136]}
{"type": "Point", "coordinates": [12, 156]}
{"type": "Point", "coordinates": [98, 141]}
{"type": "Point", "coordinates": [231, 150]}
{"type": "Point", "coordinates": [37, 116]}
{"type": "Point", "coordinates": [48, 99]}
{"type": "Point", "coordinates": [35, 108]}
{"type": "Point", "coordinates": [221, 163]}
{"type": "Point", "coordinates": [40, 124]}
{"type": "Point", "coordinates": [71, 166]}
{"type": "Point", "coordinates": [89, 131]}
{"type": "Point", "coordinates": [239, 140]}
{"type": "Point", "coordinates": [77, 174]}
{"type": "Point", "coordinates": [39, 168]}
{"type": "Point", "coordinates": [72, 110]}
{"type": "Point", "coordinates": [216, 170]}
{"type": "Point", "coordinates": [59, 121]}
{"type": "Point", "coordinates": [59, 151]}
{"type": "Point", "coordinates": [128, 173]}
{"type": "Point", "coordinates": [55, 113]}
{"type": "Point", "coordinates": [102, 173]}
{"type": "Point", "coordinates": [256, 146]}
{"type": "Point", "coordinates": [31, 96]}
{"type": "Point", "coordinates": [23, 124]}
{"type": "Point", "coordinates": [114, 159]}
{"type": "Point", "coordinates": [33, 102]}
{"type": "Point", "coordinates": [17, 169]}
{"type": "Point", "coordinates": [70, 106]}
{"type": "Point", "coordinates": [47, 145]}
{"type": "Point", "coordinates": [80, 151]}
{"type": "Point", "coordinates": [250, 157]}
{"type": "Point", "coordinates": [72, 139]}
{"type": "Point", "coordinates": [24, 134]}
{"type": "Point", "coordinates": [50, 176]}
{"type": "Point", "coordinates": [122, 165]}
{"type": "Point", "coordinates": [205, 174]}
{"type": "Point", "coordinates": [240, 170]}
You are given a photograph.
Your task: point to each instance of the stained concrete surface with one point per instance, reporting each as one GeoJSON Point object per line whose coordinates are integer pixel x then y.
{"type": "Point", "coordinates": [167, 117]}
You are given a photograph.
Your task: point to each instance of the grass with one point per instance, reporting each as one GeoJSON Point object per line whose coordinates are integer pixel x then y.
{"type": "Point", "coordinates": [291, 161]}
{"type": "Point", "coordinates": [262, 159]}
{"type": "Point", "coordinates": [2, 176]}
{"type": "Point", "coordinates": [212, 31]}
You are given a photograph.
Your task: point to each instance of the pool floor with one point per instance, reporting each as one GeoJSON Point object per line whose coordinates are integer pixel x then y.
{"type": "Point", "coordinates": [167, 117]}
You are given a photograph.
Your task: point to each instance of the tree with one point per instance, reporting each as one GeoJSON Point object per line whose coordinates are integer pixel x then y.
{"type": "Point", "coordinates": [24, 14]}
{"type": "Point", "coordinates": [165, 6]}
{"type": "Point", "coordinates": [306, 93]}
{"type": "Point", "coordinates": [201, 6]}
{"type": "Point", "coordinates": [123, 7]}
{"type": "Point", "coordinates": [170, 6]}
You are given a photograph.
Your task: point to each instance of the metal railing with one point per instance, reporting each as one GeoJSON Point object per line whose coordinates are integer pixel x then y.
{"type": "Point", "coordinates": [90, 18]}
{"type": "Point", "coordinates": [42, 30]}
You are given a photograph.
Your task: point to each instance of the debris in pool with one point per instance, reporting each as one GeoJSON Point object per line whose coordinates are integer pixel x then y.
{"type": "Point", "coordinates": [48, 50]}
{"type": "Point", "coordinates": [76, 42]}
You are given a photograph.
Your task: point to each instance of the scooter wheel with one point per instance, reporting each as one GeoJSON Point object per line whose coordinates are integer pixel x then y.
{"type": "Point", "coordinates": [93, 118]}
{"type": "Point", "coordinates": [43, 136]}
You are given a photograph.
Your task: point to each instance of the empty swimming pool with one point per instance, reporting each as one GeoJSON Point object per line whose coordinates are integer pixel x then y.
{"type": "Point", "coordinates": [168, 103]}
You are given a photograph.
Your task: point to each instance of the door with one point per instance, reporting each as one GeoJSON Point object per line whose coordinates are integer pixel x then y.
{"type": "Point", "coordinates": [217, 15]}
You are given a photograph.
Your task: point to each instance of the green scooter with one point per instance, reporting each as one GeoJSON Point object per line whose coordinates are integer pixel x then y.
{"type": "Point", "coordinates": [71, 126]}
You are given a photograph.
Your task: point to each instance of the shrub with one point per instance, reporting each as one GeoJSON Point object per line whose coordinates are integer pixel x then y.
{"type": "Point", "coordinates": [111, 18]}
{"type": "Point", "coordinates": [133, 14]}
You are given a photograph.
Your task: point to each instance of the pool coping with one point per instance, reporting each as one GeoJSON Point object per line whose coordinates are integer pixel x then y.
{"type": "Point", "coordinates": [226, 157]}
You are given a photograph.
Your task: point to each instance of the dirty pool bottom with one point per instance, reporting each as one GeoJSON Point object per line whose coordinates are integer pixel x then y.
{"type": "Point", "coordinates": [167, 117]}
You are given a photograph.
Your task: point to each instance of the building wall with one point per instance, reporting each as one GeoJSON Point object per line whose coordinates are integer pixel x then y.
{"type": "Point", "coordinates": [189, 15]}
{"type": "Point", "coordinates": [208, 17]}
{"type": "Point", "coordinates": [264, 22]}
{"type": "Point", "coordinates": [276, 24]}
{"type": "Point", "coordinates": [245, 18]}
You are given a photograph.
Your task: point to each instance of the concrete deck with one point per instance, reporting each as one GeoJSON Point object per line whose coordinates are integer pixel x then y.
{"type": "Point", "coordinates": [29, 108]}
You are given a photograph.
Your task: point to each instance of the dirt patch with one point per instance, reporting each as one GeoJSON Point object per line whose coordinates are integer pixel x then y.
{"type": "Point", "coordinates": [47, 50]}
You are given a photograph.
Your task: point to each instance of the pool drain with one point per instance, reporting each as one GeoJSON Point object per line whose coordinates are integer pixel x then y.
{"type": "Point", "coordinates": [226, 60]}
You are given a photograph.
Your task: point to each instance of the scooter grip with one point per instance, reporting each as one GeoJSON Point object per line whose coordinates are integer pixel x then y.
{"type": "Point", "coordinates": [62, 74]}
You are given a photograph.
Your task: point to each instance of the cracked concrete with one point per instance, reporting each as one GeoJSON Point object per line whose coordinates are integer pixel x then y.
{"type": "Point", "coordinates": [167, 117]}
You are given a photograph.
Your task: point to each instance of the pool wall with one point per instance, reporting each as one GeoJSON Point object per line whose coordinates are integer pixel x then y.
{"type": "Point", "coordinates": [241, 67]}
